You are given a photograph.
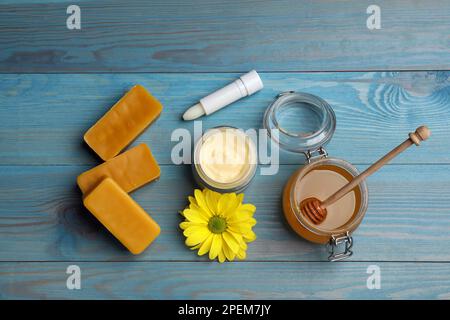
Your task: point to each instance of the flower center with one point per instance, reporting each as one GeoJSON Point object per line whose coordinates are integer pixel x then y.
{"type": "Point", "coordinates": [217, 224]}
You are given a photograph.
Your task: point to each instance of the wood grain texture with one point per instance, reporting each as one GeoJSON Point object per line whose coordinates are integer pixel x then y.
{"type": "Point", "coordinates": [43, 117]}
{"type": "Point", "coordinates": [231, 36]}
{"type": "Point", "coordinates": [184, 280]}
{"type": "Point", "coordinates": [42, 217]}
{"type": "Point", "coordinates": [181, 51]}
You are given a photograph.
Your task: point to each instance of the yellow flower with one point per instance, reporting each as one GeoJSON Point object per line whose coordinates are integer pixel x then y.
{"type": "Point", "coordinates": [219, 224]}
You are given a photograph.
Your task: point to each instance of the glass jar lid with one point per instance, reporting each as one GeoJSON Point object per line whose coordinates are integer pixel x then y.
{"type": "Point", "coordinates": [299, 122]}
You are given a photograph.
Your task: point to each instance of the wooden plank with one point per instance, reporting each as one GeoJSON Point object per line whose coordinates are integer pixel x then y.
{"type": "Point", "coordinates": [231, 36]}
{"type": "Point", "coordinates": [43, 117]}
{"type": "Point", "coordinates": [42, 217]}
{"type": "Point", "coordinates": [184, 280]}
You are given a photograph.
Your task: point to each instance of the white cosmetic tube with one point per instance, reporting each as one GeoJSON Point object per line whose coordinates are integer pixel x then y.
{"type": "Point", "coordinates": [246, 85]}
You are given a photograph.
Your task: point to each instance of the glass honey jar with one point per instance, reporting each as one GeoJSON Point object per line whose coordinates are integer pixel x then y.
{"type": "Point", "coordinates": [304, 123]}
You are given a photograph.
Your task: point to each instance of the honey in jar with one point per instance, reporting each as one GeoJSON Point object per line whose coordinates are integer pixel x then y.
{"type": "Point", "coordinates": [304, 123]}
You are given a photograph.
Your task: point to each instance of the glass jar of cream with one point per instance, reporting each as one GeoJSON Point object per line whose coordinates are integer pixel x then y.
{"type": "Point", "coordinates": [225, 159]}
{"type": "Point", "coordinates": [304, 123]}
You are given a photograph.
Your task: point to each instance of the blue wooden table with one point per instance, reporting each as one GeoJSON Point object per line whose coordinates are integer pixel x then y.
{"type": "Point", "coordinates": [55, 83]}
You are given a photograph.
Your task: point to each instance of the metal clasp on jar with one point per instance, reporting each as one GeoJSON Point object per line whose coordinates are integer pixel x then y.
{"type": "Point", "coordinates": [345, 241]}
{"type": "Point", "coordinates": [319, 153]}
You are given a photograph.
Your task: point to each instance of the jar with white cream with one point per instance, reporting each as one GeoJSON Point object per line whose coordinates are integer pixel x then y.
{"type": "Point", "coordinates": [225, 159]}
{"type": "Point", "coordinates": [305, 123]}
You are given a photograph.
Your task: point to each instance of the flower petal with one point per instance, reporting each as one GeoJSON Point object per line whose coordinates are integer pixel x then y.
{"type": "Point", "coordinates": [206, 245]}
{"type": "Point", "coordinates": [237, 235]}
{"type": "Point", "coordinates": [244, 227]}
{"type": "Point", "coordinates": [243, 245]}
{"type": "Point", "coordinates": [252, 222]}
{"type": "Point", "coordinates": [241, 254]}
{"type": "Point", "coordinates": [186, 224]}
{"type": "Point", "coordinates": [183, 225]}
{"type": "Point", "coordinates": [234, 227]}
{"type": "Point", "coordinates": [224, 203]}
{"type": "Point", "coordinates": [231, 241]}
{"type": "Point", "coordinates": [249, 236]}
{"type": "Point", "coordinates": [196, 238]}
{"type": "Point", "coordinates": [239, 217]}
{"type": "Point", "coordinates": [247, 207]}
{"type": "Point", "coordinates": [231, 205]}
{"type": "Point", "coordinates": [192, 200]}
{"type": "Point", "coordinates": [216, 246]}
{"type": "Point", "coordinates": [212, 199]}
{"type": "Point", "coordinates": [245, 223]}
{"type": "Point", "coordinates": [201, 201]}
{"type": "Point", "coordinates": [195, 216]}
{"type": "Point", "coordinates": [202, 229]}
{"type": "Point", "coordinates": [204, 212]}
{"type": "Point", "coordinates": [228, 252]}
{"type": "Point", "coordinates": [221, 256]}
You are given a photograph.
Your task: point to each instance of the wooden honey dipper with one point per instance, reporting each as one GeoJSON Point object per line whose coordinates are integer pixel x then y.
{"type": "Point", "coordinates": [316, 210]}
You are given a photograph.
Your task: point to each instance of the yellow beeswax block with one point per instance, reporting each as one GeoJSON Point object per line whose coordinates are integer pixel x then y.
{"type": "Point", "coordinates": [122, 216]}
{"type": "Point", "coordinates": [134, 112]}
{"type": "Point", "coordinates": [130, 170]}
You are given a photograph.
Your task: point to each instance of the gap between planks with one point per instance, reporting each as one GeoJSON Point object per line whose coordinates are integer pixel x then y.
{"type": "Point", "coordinates": [177, 165]}
{"type": "Point", "coordinates": [227, 72]}
{"type": "Point", "coordinates": [234, 262]}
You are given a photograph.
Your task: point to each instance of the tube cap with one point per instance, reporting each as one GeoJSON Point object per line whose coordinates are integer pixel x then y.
{"type": "Point", "coordinates": [252, 82]}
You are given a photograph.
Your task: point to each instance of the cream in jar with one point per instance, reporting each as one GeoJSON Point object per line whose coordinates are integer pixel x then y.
{"type": "Point", "coordinates": [225, 159]}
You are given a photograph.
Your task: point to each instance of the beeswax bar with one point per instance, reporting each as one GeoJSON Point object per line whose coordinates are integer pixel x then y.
{"type": "Point", "coordinates": [130, 170]}
{"type": "Point", "coordinates": [134, 112]}
{"type": "Point", "coordinates": [122, 216]}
